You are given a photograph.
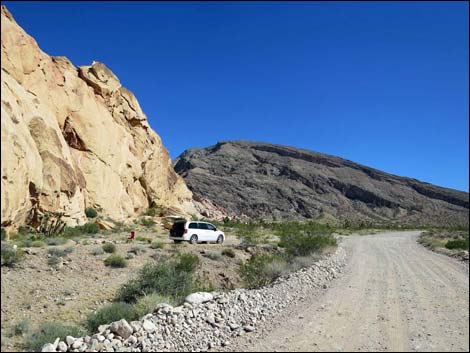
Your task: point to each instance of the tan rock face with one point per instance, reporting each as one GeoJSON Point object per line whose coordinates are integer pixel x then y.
{"type": "Point", "coordinates": [74, 138]}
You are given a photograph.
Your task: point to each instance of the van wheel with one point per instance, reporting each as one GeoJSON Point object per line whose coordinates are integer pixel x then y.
{"type": "Point", "coordinates": [193, 239]}
{"type": "Point", "coordinates": [220, 239]}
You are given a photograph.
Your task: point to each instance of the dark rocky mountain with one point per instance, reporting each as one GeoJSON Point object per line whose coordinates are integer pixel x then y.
{"type": "Point", "coordinates": [261, 180]}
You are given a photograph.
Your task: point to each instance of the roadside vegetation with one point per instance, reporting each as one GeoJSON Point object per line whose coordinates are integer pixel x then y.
{"type": "Point", "coordinates": [454, 240]}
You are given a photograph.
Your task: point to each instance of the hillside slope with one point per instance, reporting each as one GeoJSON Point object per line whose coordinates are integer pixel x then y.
{"type": "Point", "coordinates": [75, 138]}
{"type": "Point", "coordinates": [252, 179]}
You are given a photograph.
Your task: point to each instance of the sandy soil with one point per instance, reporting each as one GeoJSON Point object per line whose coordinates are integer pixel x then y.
{"type": "Point", "coordinates": [394, 295]}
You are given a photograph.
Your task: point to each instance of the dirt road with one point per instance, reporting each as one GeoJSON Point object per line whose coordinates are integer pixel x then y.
{"type": "Point", "coordinates": [394, 295]}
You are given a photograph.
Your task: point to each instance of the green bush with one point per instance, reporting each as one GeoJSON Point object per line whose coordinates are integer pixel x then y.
{"type": "Point", "coordinates": [110, 313]}
{"type": "Point", "coordinates": [213, 255]}
{"type": "Point", "coordinates": [53, 260]}
{"type": "Point", "coordinates": [55, 241]}
{"type": "Point", "coordinates": [148, 303]}
{"type": "Point", "coordinates": [170, 277]}
{"type": "Point", "coordinates": [250, 234]}
{"type": "Point", "coordinates": [4, 233]}
{"type": "Point", "coordinates": [137, 249]}
{"type": "Point", "coordinates": [152, 212]}
{"type": "Point", "coordinates": [21, 328]}
{"type": "Point", "coordinates": [90, 228]}
{"type": "Point", "coordinates": [115, 261]}
{"type": "Point", "coordinates": [57, 252]}
{"type": "Point", "coordinates": [109, 248]}
{"type": "Point", "coordinates": [157, 245]}
{"type": "Point", "coordinates": [91, 212]}
{"type": "Point", "coordinates": [10, 256]}
{"type": "Point", "coordinates": [303, 239]}
{"type": "Point", "coordinates": [144, 239]}
{"type": "Point", "coordinates": [87, 228]}
{"type": "Point", "coordinates": [228, 252]}
{"type": "Point", "coordinates": [37, 244]}
{"type": "Point", "coordinates": [97, 251]}
{"type": "Point", "coordinates": [48, 332]}
{"type": "Point", "coordinates": [262, 269]}
{"type": "Point", "coordinates": [458, 244]}
{"type": "Point", "coordinates": [187, 262]}
{"type": "Point", "coordinates": [147, 222]}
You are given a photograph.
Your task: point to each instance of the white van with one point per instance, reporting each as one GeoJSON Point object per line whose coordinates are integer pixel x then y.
{"type": "Point", "coordinates": [196, 232]}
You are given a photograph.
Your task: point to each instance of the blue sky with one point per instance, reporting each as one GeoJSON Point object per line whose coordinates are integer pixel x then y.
{"type": "Point", "coordinates": [384, 84]}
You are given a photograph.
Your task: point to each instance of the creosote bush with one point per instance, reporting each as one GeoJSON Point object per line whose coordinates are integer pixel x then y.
{"type": "Point", "coordinates": [91, 212]}
{"type": "Point", "coordinates": [262, 269]}
{"type": "Point", "coordinates": [462, 244]}
{"type": "Point", "coordinates": [110, 313]}
{"type": "Point", "coordinates": [148, 303]}
{"type": "Point", "coordinates": [115, 261]}
{"type": "Point", "coordinates": [228, 252]}
{"type": "Point", "coordinates": [10, 256]}
{"type": "Point", "coordinates": [109, 248]}
{"type": "Point", "coordinates": [169, 277]}
{"type": "Point", "coordinates": [48, 332]}
{"type": "Point", "coordinates": [157, 245]}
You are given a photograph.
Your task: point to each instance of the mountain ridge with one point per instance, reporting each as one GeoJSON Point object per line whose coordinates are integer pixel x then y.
{"type": "Point", "coordinates": [366, 190]}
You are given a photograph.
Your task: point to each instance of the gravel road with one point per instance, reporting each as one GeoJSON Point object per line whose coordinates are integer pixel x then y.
{"type": "Point", "coordinates": [394, 295]}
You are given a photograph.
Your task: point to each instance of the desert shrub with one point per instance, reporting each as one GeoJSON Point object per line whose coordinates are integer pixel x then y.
{"type": "Point", "coordinates": [37, 244]}
{"type": "Point", "coordinates": [53, 260]}
{"type": "Point", "coordinates": [148, 303]}
{"type": "Point", "coordinates": [298, 262]}
{"type": "Point", "coordinates": [48, 332]}
{"type": "Point", "coordinates": [110, 313]}
{"type": "Point", "coordinates": [152, 212]}
{"type": "Point", "coordinates": [24, 243]}
{"type": "Point", "coordinates": [228, 252]}
{"type": "Point", "coordinates": [55, 241]}
{"type": "Point", "coordinates": [147, 222]}
{"type": "Point", "coordinates": [303, 239]}
{"type": "Point", "coordinates": [144, 239]}
{"type": "Point", "coordinates": [115, 261]}
{"type": "Point", "coordinates": [262, 269]}
{"type": "Point", "coordinates": [87, 228]}
{"type": "Point", "coordinates": [97, 251]}
{"type": "Point", "coordinates": [137, 249]}
{"type": "Point", "coordinates": [170, 277]}
{"type": "Point", "coordinates": [458, 244]}
{"type": "Point", "coordinates": [91, 212]}
{"type": "Point", "coordinates": [250, 234]}
{"type": "Point", "coordinates": [90, 228]}
{"type": "Point", "coordinates": [10, 256]}
{"type": "Point", "coordinates": [4, 233]}
{"type": "Point", "coordinates": [213, 255]}
{"type": "Point", "coordinates": [109, 248]}
{"type": "Point", "coordinates": [21, 327]}
{"type": "Point", "coordinates": [157, 245]}
{"type": "Point", "coordinates": [86, 242]}
{"type": "Point", "coordinates": [187, 262]}
{"type": "Point", "coordinates": [57, 252]}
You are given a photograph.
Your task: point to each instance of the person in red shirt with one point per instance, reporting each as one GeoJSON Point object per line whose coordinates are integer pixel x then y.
{"type": "Point", "coordinates": [131, 237]}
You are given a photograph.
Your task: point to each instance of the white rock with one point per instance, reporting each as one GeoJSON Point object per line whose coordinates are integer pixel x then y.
{"type": "Point", "coordinates": [121, 328]}
{"type": "Point", "coordinates": [49, 347]}
{"type": "Point", "coordinates": [199, 297]}
{"type": "Point", "coordinates": [69, 340]}
{"type": "Point", "coordinates": [62, 346]}
{"type": "Point", "coordinates": [149, 326]}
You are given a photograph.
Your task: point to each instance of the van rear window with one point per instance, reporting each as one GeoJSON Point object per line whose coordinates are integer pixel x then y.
{"type": "Point", "coordinates": [192, 225]}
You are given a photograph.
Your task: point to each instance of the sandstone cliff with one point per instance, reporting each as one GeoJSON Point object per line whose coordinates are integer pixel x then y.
{"type": "Point", "coordinates": [253, 179]}
{"type": "Point", "coordinates": [75, 138]}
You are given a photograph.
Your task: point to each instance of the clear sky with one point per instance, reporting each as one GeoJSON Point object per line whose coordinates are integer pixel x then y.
{"type": "Point", "coordinates": [384, 84]}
